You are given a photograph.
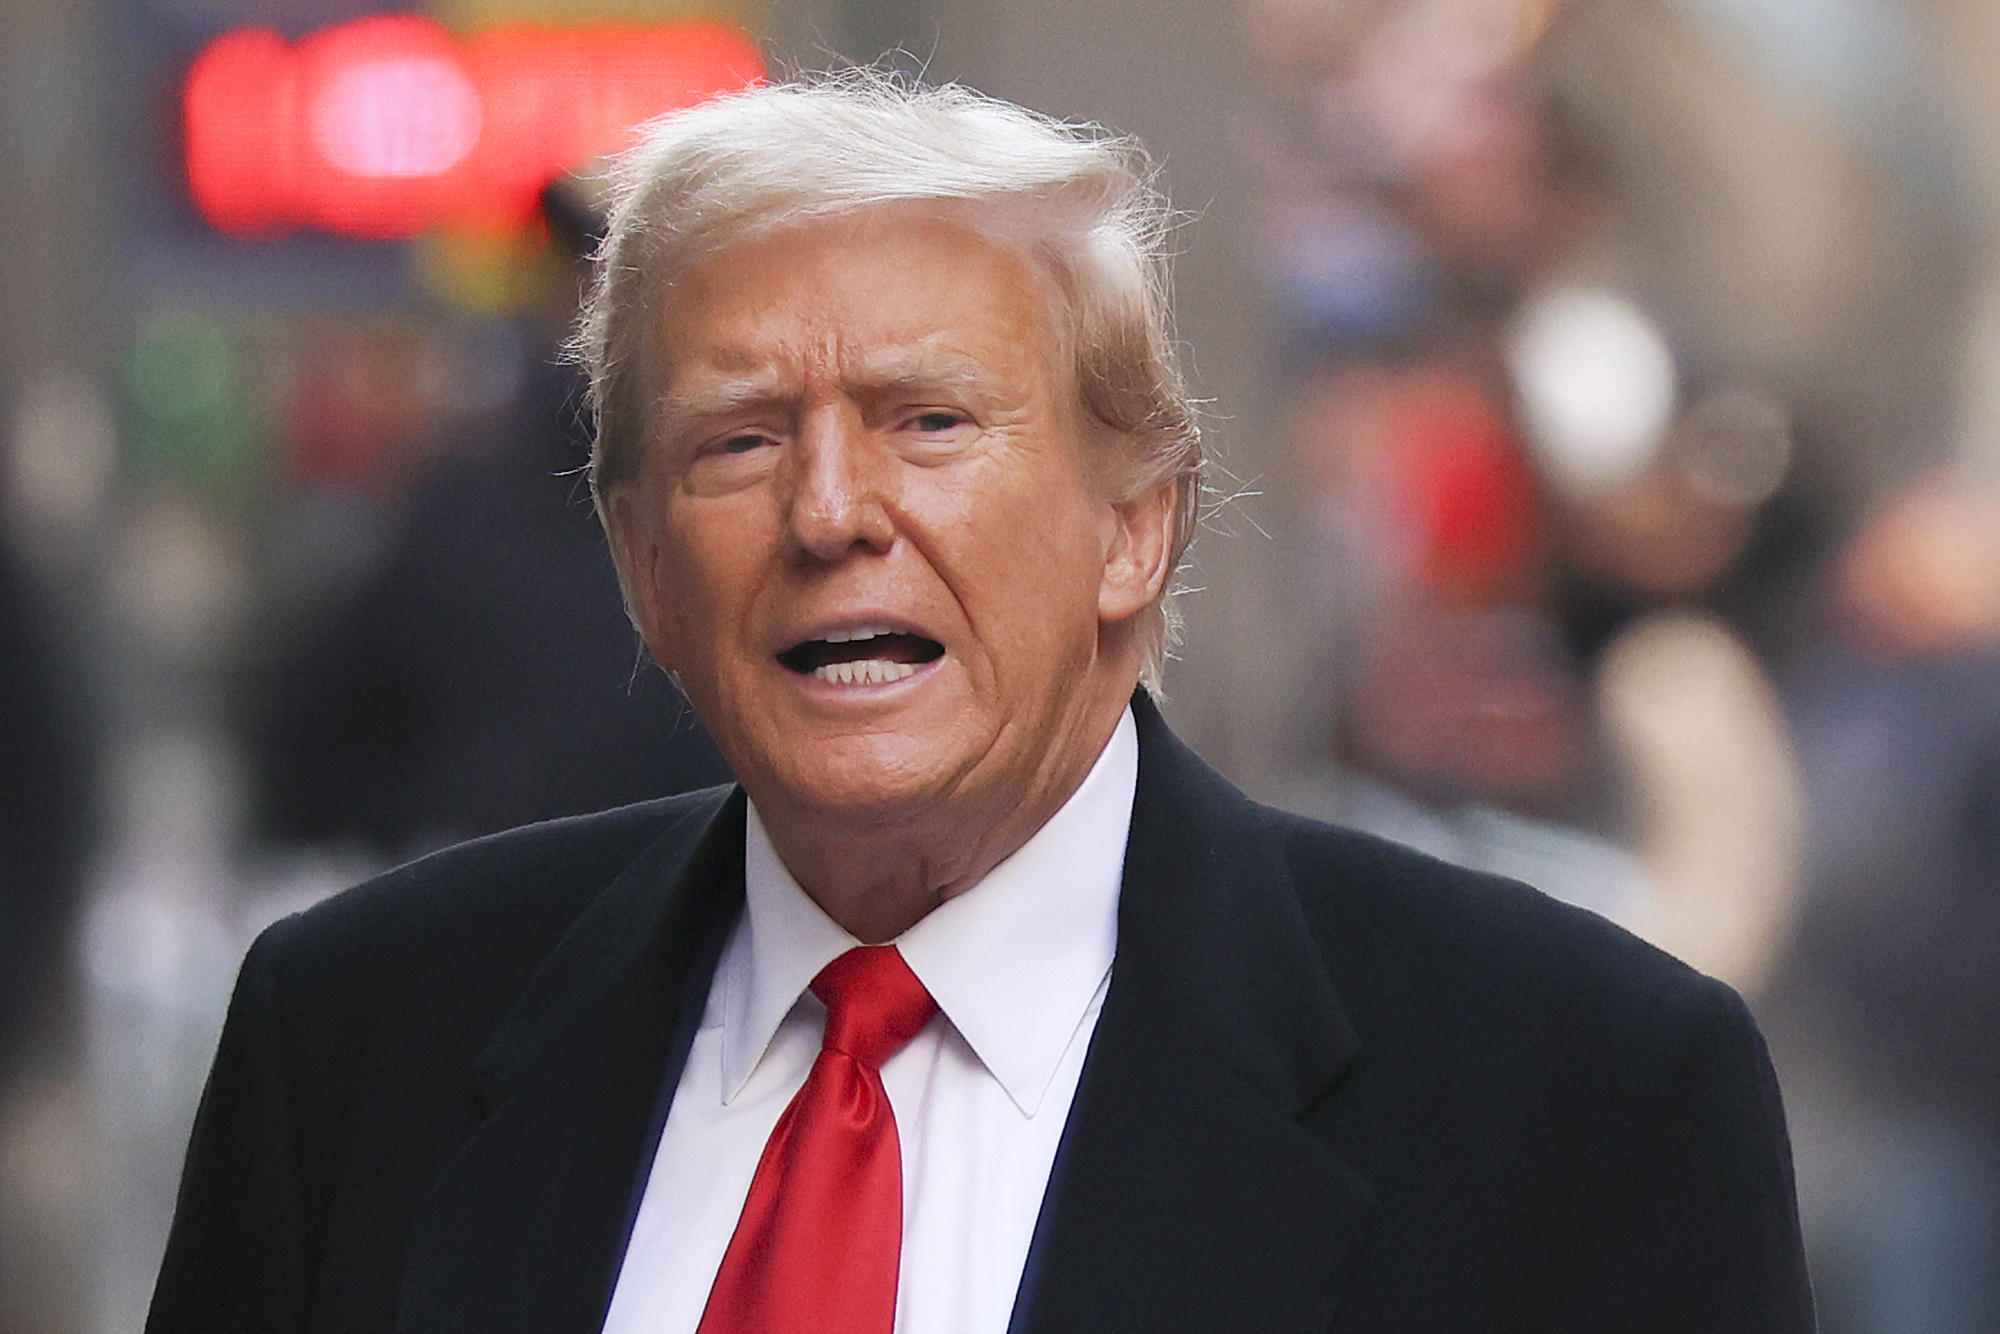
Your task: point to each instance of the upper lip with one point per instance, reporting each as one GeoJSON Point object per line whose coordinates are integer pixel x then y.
{"type": "Point", "coordinates": [841, 629]}
{"type": "Point", "coordinates": [861, 632]}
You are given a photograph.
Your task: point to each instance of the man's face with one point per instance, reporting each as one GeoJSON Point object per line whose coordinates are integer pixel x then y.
{"type": "Point", "coordinates": [863, 535]}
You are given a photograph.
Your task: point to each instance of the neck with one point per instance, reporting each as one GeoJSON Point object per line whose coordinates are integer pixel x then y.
{"type": "Point", "coordinates": [878, 879]}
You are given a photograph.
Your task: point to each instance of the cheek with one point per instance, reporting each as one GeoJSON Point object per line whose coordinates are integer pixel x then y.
{"type": "Point", "coordinates": [1041, 563]}
{"type": "Point", "coordinates": [711, 561]}
{"type": "Point", "coordinates": [1008, 541]}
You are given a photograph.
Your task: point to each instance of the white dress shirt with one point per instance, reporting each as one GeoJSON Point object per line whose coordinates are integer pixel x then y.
{"type": "Point", "coordinates": [1018, 966]}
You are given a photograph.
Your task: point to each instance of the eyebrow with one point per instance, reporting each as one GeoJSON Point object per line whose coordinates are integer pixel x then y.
{"type": "Point", "coordinates": [678, 409]}
{"type": "Point", "coordinates": [727, 394]}
{"type": "Point", "coordinates": [924, 370]}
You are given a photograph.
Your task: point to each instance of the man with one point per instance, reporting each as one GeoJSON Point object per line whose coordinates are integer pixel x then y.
{"type": "Point", "coordinates": [896, 469]}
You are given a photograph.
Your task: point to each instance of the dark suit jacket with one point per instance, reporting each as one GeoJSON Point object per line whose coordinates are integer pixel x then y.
{"type": "Point", "coordinates": [1335, 1085]}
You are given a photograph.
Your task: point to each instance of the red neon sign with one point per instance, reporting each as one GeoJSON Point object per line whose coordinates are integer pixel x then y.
{"type": "Point", "coordinates": [388, 125]}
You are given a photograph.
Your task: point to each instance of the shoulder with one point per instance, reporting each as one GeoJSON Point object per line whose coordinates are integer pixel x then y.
{"type": "Point", "coordinates": [473, 920]}
{"type": "Point", "coordinates": [1533, 1077]}
{"type": "Point", "coordinates": [1411, 942]}
{"type": "Point", "coordinates": [1530, 1090]}
{"type": "Point", "coordinates": [1414, 941]}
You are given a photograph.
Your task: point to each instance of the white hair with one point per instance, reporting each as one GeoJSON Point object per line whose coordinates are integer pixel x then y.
{"type": "Point", "coordinates": [1076, 199]}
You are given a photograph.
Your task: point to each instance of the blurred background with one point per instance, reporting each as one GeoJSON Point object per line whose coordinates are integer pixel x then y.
{"type": "Point", "coordinates": [1606, 396]}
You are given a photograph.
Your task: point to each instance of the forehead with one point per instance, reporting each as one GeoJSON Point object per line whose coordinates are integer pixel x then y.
{"type": "Point", "coordinates": [893, 291]}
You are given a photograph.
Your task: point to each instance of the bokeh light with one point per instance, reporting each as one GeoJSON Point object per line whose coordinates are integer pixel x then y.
{"type": "Point", "coordinates": [1596, 383]}
{"type": "Point", "coordinates": [389, 125]}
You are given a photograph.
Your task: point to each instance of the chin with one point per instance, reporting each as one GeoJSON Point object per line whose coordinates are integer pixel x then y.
{"type": "Point", "coordinates": [866, 778]}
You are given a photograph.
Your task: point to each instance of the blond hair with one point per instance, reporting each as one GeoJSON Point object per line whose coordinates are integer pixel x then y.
{"type": "Point", "coordinates": [1076, 199]}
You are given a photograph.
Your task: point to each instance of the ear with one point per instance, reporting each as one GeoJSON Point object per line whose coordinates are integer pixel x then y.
{"type": "Point", "coordinates": [1138, 553]}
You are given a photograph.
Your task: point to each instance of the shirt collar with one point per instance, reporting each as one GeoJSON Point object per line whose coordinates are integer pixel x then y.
{"type": "Point", "coordinates": [1013, 963]}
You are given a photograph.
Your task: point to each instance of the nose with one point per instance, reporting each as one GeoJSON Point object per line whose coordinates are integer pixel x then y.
{"type": "Point", "coordinates": [839, 499]}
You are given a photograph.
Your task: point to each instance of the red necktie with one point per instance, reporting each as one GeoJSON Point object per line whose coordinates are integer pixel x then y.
{"type": "Point", "coordinates": [821, 1237]}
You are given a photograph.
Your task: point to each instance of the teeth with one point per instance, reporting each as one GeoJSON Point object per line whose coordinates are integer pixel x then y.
{"type": "Point", "coordinates": [866, 672]}
{"type": "Point", "coordinates": [849, 636]}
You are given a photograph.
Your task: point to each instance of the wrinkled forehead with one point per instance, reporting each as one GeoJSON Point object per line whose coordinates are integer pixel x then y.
{"type": "Point", "coordinates": [1027, 229]}
{"type": "Point", "coordinates": [1004, 301]}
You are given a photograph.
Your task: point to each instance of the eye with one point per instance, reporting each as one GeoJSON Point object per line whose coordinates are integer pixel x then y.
{"type": "Point", "coordinates": [936, 421]}
{"type": "Point", "coordinates": [731, 458]}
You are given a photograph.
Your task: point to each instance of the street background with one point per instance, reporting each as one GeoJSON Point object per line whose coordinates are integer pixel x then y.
{"type": "Point", "coordinates": [1605, 398]}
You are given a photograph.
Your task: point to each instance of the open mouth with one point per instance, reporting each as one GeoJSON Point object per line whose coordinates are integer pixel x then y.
{"type": "Point", "coordinates": [870, 655]}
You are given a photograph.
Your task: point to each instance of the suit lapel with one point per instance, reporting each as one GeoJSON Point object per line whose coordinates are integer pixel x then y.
{"type": "Point", "coordinates": [1187, 1196]}
{"type": "Point", "coordinates": [525, 1229]}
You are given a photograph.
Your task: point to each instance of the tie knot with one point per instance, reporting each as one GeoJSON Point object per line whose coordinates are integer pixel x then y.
{"type": "Point", "coordinates": [874, 1003]}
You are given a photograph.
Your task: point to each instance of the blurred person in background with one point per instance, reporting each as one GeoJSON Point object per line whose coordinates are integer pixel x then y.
{"type": "Point", "coordinates": [1461, 723]}
{"type": "Point", "coordinates": [1520, 511]}
{"type": "Point", "coordinates": [45, 821]}
{"type": "Point", "coordinates": [1896, 976]}
{"type": "Point", "coordinates": [482, 674]}
{"type": "Point", "coordinates": [47, 834]}
{"type": "Point", "coordinates": [897, 468]}
{"type": "Point", "coordinates": [1696, 316]}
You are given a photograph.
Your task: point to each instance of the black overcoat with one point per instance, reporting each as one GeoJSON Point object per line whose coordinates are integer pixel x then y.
{"type": "Point", "coordinates": [1336, 1085]}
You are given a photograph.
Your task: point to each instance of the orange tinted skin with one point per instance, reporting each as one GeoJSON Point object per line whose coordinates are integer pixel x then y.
{"type": "Point", "coordinates": [865, 421]}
